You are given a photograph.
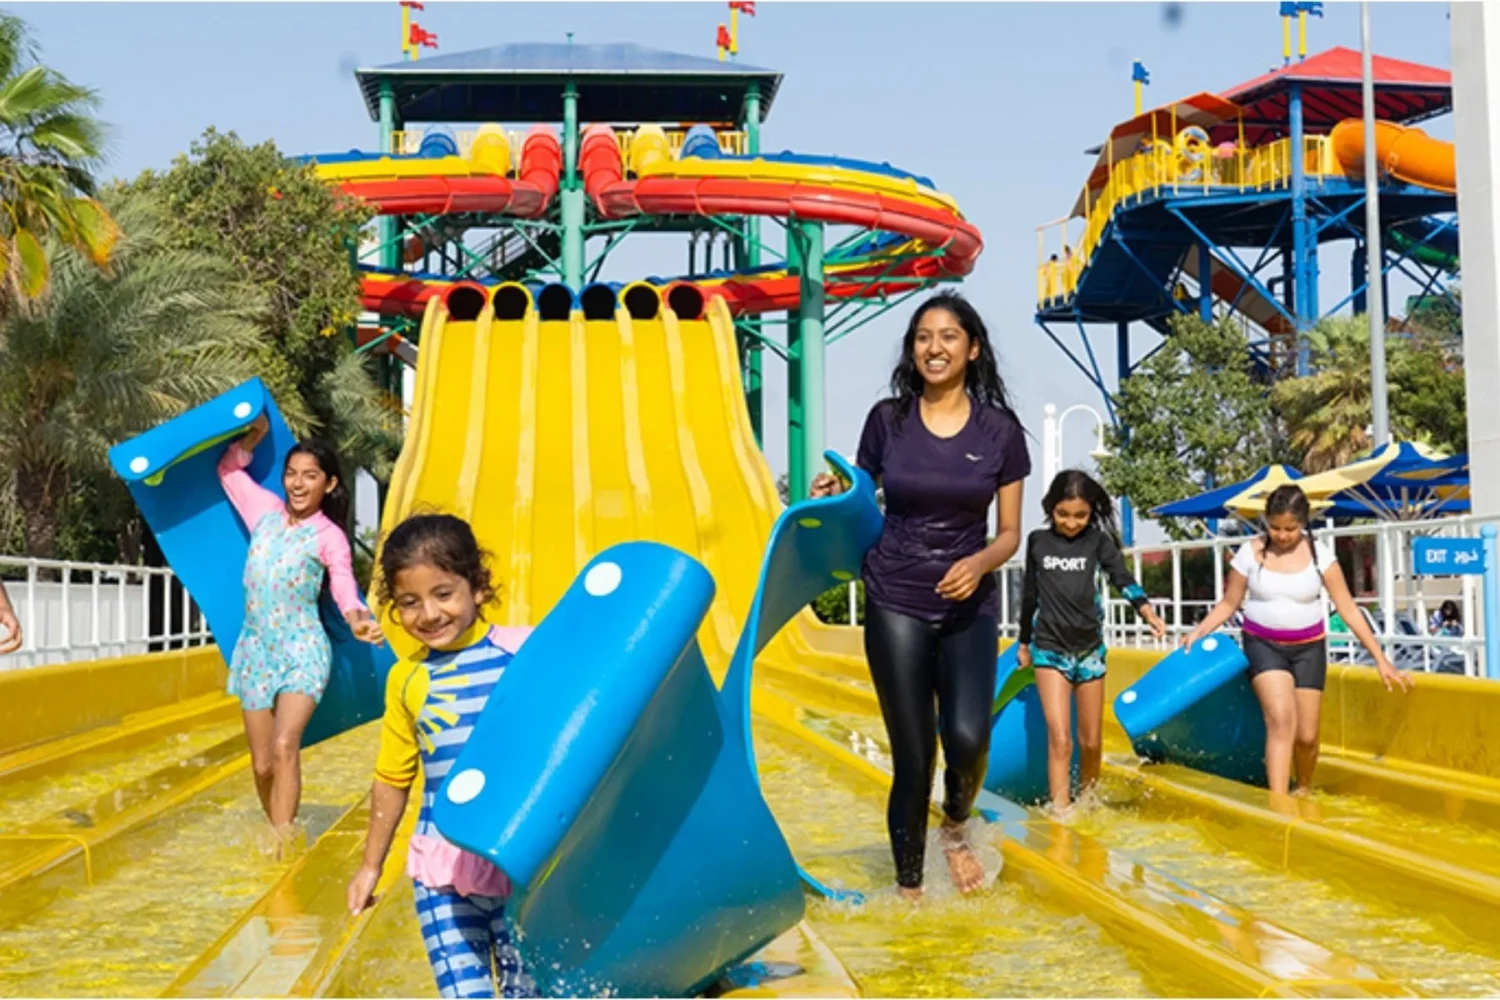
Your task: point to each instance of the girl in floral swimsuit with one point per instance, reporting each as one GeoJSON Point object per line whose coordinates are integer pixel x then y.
{"type": "Point", "coordinates": [282, 661]}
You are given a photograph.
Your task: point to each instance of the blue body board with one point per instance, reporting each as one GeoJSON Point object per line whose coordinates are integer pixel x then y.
{"type": "Point", "coordinates": [1196, 708]}
{"type": "Point", "coordinates": [172, 474]}
{"type": "Point", "coordinates": [615, 784]}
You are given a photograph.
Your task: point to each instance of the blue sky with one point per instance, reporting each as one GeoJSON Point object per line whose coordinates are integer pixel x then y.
{"type": "Point", "coordinates": [995, 102]}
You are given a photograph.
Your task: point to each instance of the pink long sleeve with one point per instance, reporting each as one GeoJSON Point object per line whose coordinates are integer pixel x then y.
{"type": "Point", "coordinates": [250, 500]}
{"type": "Point", "coordinates": [333, 550]}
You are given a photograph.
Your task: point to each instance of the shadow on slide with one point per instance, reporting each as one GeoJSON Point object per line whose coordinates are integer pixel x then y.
{"type": "Point", "coordinates": [172, 473]}
{"type": "Point", "coordinates": [615, 784]}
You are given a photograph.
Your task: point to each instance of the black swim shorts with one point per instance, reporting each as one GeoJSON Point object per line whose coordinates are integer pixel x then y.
{"type": "Point", "coordinates": [1307, 662]}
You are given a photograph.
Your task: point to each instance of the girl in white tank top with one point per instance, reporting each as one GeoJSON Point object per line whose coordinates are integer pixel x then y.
{"type": "Point", "coordinates": [1277, 581]}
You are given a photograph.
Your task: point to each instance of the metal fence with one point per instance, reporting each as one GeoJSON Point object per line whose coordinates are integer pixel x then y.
{"type": "Point", "coordinates": [1398, 610]}
{"type": "Point", "coordinates": [74, 611]}
{"type": "Point", "coordinates": [80, 611]}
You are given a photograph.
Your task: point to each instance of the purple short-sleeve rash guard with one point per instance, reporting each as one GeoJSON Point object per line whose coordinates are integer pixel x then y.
{"type": "Point", "coordinates": [938, 493]}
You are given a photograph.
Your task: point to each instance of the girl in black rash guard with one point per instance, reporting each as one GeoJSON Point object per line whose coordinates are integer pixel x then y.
{"type": "Point", "coordinates": [1060, 621]}
{"type": "Point", "coordinates": [944, 447]}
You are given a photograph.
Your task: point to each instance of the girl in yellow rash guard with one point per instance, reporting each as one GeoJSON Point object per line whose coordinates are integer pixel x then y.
{"type": "Point", "coordinates": [435, 576]}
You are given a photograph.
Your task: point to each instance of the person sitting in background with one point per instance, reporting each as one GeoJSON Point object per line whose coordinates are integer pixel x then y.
{"type": "Point", "coordinates": [1446, 620]}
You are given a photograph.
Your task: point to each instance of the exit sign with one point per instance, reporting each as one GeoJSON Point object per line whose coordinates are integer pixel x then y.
{"type": "Point", "coordinates": [1447, 556]}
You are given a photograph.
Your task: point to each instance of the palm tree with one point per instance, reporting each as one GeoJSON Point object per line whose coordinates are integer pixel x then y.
{"type": "Point", "coordinates": [48, 143]}
{"type": "Point", "coordinates": [113, 355]}
{"type": "Point", "coordinates": [1327, 413]}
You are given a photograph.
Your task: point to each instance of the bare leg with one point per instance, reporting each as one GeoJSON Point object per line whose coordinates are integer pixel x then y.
{"type": "Point", "coordinates": [1057, 706]}
{"type": "Point", "coordinates": [292, 713]}
{"type": "Point", "coordinates": [1090, 700]}
{"type": "Point", "coordinates": [1309, 719]}
{"type": "Point", "coordinates": [1276, 692]}
{"type": "Point", "coordinates": [260, 729]}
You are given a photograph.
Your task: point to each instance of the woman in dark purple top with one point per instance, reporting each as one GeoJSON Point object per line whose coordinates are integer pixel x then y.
{"type": "Point", "coordinates": [943, 447]}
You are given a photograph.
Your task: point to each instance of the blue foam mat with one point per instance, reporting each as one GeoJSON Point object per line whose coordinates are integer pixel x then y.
{"type": "Point", "coordinates": [1196, 708]}
{"type": "Point", "coordinates": [1018, 735]}
{"type": "Point", "coordinates": [602, 779]}
{"type": "Point", "coordinates": [814, 545]}
{"type": "Point", "coordinates": [615, 784]}
{"type": "Point", "coordinates": [172, 474]}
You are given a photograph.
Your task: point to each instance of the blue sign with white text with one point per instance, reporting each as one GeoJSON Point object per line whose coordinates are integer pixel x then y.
{"type": "Point", "coordinates": [1447, 556]}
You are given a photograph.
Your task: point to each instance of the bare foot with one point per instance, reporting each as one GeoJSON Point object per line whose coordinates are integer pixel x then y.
{"type": "Point", "coordinates": [911, 895]}
{"type": "Point", "coordinates": [963, 867]}
{"type": "Point", "coordinates": [290, 839]}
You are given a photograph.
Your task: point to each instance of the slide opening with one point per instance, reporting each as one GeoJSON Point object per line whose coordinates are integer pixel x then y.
{"type": "Point", "coordinates": [555, 302]}
{"type": "Point", "coordinates": [464, 302]}
{"type": "Point", "coordinates": [598, 302]}
{"type": "Point", "coordinates": [686, 301]}
{"type": "Point", "coordinates": [642, 302]}
{"type": "Point", "coordinates": [511, 302]}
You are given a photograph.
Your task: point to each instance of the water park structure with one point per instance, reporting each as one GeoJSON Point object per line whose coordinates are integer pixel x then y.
{"type": "Point", "coordinates": [601, 439]}
{"type": "Point", "coordinates": [457, 208]}
{"type": "Point", "coordinates": [1218, 203]}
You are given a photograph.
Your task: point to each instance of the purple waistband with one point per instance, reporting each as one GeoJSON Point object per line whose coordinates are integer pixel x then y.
{"type": "Point", "coordinates": [1292, 635]}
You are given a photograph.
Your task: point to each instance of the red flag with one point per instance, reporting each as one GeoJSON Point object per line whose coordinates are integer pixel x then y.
{"type": "Point", "coordinates": [412, 4]}
{"type": "Point", "coordinates": [746, 7]}
{"type": "Point", "coordinates": [422, 37]}
{"type": "Point", "coordinates": [723, 37]}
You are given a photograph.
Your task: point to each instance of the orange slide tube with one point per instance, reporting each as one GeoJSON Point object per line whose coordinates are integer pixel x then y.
{"type": "Point", "coordinates": [1407, 154]}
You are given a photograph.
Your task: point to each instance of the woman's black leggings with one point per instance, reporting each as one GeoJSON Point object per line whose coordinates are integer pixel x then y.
{"type": "Point", "coordinates": [914, 662]}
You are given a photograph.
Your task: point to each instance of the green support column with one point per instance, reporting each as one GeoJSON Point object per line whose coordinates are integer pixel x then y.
{"type": "Point", "coordinates": [572, 193]}
{"type": "Point", "coordinates": [805, 370]}
{"type": "Point", "coordinates": [750, 258]}
{"type": "Point", "coordinates": [796, 462]}
{"type": "Point", "coordinates": [390, 255]}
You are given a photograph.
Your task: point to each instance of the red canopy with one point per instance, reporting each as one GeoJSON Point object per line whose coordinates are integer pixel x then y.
{"type": "Point", "coordinates": [1405, 92]}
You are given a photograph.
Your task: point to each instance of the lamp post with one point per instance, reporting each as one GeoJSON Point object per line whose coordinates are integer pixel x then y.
{"type": "Point", "coordinates": [1374, 257]}
{"type": "Point", "coordinates": [1052, 438]}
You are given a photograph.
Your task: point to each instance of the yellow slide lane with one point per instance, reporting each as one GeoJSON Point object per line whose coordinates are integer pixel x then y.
{"type": "Point", "coordinates": [559, 439]}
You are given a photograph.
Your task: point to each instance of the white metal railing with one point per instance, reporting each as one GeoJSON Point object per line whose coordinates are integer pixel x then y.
{"type": "Point", "coordinates": [1397, 612]}
{"type": "Point", "coordinates": [82, 611]}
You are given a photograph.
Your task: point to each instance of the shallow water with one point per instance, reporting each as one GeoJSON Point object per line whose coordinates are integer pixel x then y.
{"type": "Point", "coordinates": [164, 892]}
{"type": "Point", "coordinates": [999, 942]}
{"type": "Point", "coordinates": [1423, 950]}
{"type": "Point", "coordinates": [94, 773]}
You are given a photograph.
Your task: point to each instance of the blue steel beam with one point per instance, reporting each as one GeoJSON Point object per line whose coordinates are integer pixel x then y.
{"type": "Point", "coordinates": [1392, 262]}
{"type": "Point", "coordinates": [1068, 351]}
{"type": "Point", "coordinates": [1109, 403]}
{"type": "Point", "coordinates": [1161, 293]}
{"type": "Point", "coordinates": [1232, 260]}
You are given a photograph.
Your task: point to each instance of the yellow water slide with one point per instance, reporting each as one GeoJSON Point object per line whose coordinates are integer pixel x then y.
{"type": "Point", "coordinates": [125, 844]}
{"type": "Point", "coordinates": [557, 439]}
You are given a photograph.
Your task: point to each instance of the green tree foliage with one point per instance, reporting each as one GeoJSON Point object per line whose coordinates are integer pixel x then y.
{"type": "Point", "coordinates": [288, 235]}
{"type": "Point", "coordinates": [1196, 413]}
{"type": "Point", "coordinates": [49, 142]}
{"type": "Point", "coordinates": [110, 357]}
{"type": "Point", "coordinates": [832, 606]}
{"type": "Point", "coordinates": [1328, 413]}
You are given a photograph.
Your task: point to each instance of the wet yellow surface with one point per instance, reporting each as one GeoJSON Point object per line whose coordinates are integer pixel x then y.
{"type": "Point", "coordinates": [1225, 839]}
{"type": "Point", "coordinates": [165, 891]}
